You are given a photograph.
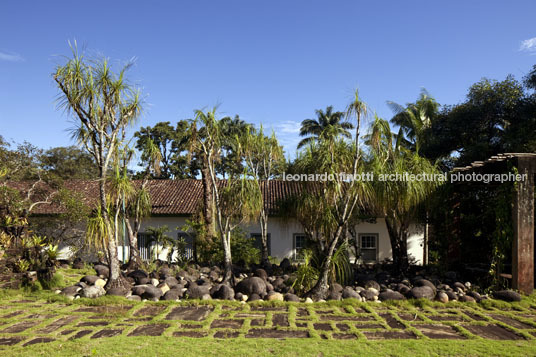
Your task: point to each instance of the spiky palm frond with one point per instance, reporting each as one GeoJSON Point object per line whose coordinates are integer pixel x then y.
{"type": "Point", "coordinates": [328, 126]}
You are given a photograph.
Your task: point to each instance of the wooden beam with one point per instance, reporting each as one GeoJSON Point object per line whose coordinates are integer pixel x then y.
{"type": "Point", "coordinates": [523, 222]}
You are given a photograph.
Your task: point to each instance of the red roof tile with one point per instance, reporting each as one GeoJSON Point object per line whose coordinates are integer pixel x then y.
{"type": "Point", "coordinates": [168, 197]}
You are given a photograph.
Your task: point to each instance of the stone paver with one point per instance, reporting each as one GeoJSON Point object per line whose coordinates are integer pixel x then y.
{"type": "Point", "coordinates": [149, 330]}
{"type": "Point", "coordinates": [493, 332]}
{"type": "Point", "coordinates": [439, 331]}
{"type": "Point", "coordinates": [189, 313]}
{"type": "Point", "coordinates": [107, 333]}
{"type": "Point", "coordinates": [38, 340]}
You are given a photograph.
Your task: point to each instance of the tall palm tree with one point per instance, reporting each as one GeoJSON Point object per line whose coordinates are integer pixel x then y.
{"type": "Point", "coordinates": [328, 126]}
{"type": "Point", "coordinates": [414, 119]}
{"type": "Point", "coordinates": [396, 199]}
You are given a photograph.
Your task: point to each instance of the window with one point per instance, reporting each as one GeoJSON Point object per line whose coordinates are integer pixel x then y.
{"type": "Point", "coordinates": [258, 242]}
{"type": "Point", "coordinates": [369, 247]}
{"type": "Point", "coordinates": [143, 245]}
{"type": "Point", "coordinates": [299, 244]}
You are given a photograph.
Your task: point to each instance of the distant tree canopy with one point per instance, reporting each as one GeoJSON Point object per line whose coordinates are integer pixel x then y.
{"type": "Point", "coordinates": [27, 162]}
{"type": "Point", "coordinates": [172, 144]}
{"type": "Point", "coordinates": [496, 117]}
{"type": "Point", "coordinates": [68, 163]}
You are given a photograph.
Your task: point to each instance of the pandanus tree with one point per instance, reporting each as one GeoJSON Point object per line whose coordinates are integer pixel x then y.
{"type": "Point", "coordinates": [235, 199]}
{"type": "Point", "coordinates": [395, 198]}
{"type": "Point", "coordinates": [103, 104]}
{"type": "Point", "coordinates": [330, 204]}
{"type": "Point", "coordinates": [264, 160]}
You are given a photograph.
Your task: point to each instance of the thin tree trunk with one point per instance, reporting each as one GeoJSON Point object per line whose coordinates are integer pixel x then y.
{"type": "Point", "coordinates": [208, 201]}
{"type": "Point", "coordinates": [134, 259]}
{"type": "Point", "coordinates": [264, 236]}
{"type": "Point", "coordinates": [114, 279]}
{"type": "Point", "coordinates": [227, 260]}
{"type": "Point", "coordinates": [425, 243]}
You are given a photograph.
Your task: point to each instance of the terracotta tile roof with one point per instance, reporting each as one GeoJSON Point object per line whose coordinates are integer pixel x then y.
{"type": "Point", "coordinates": [168, 197]}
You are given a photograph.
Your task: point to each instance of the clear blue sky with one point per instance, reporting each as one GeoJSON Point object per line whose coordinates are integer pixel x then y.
{"type": "Point", "coordinates": [272, 62]}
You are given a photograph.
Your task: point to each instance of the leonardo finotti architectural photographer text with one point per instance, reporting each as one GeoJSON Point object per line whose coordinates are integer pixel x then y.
{"type": "Point", "coordinates": [406, 176]}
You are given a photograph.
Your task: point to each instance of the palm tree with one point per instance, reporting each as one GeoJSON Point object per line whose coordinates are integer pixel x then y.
{"type": "Point", "coordinates": [159, 237]}
{"type": "Point", "coordinates": [327, 126]}
{"type": "Point", "coordinates": [396, 199]}
{"type": "Point", "coordinates": [415, 119]}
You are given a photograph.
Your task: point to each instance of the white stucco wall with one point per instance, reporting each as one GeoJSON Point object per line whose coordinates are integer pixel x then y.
{"type": "Point", "coordinates": [282, 233]}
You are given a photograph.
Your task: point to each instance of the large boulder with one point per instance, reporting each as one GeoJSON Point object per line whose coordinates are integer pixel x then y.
{"type": "Point", "coordinates": [349, 293]}
{"type": "Point", "coordinates": [92, 292]}
{"type": "Point", "coordinates": [422, 292]}
{"type": "Point", "coordinates": [250, 286]}
{"type": "Point", "coordinates": [151, 293]}
{"type": "Point", "coordinates": [70, 290]}
{"type": "Point", "coordinates": [117, 292]}
{"type": "Point", "coordinates": [137, 274]}
{"type": "Point", "coordinates": [442, 297]}
{"type": "Point", "coordinates": [403, 288]}
{"type": "Point", "coordinates": [139, 289]}
{"type": "Point", "coordinates": [273, 296]}
{"type": "Point", "coordinates": [261, 273]}
{"type": "Point", "coordinates": [291, 297]}
{"type": "Point", "coordinates": [372, 284]}
{"type": "Point", "coordinates": [90, 279]}
{"type": "Point", "coordinates": [224, 292]}
{"type": "Point", "coordinates": [390, 295]}
{"type": "Point", "coordinates": [197, 291]}
{"type": "Point", "coordinates": [459, 286]}
{"type": "Point", "coordinates": [452, 295]}
{"type": "Point", "coordinates": [278, 284]}
{"type": "Point", "coordinates": [171, 281]}
{"type": "Point", "coordinates": [254, 297]}
{"type": "Point", "coordinates": [507, 295]}
{"type": "Point", "coordinates": [467, 298]}
{"type": "Point", "coordinates": [424, 282]}
{"type": "Point", "coordinates": [102, 270]}
{"type": "Point", "coordinates": [173, 294]}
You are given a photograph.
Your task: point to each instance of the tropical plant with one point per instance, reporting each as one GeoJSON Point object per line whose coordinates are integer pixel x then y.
{"type": "Point", "coordinates": [103, 105]}
{"type": "Point", "coordinates": [264, 159]}
{"type": "Point", "coordinates": [415, 119]}
{"type": "Point", "coordinates": [325, 208]}
{"type": "Point", "coordinates": [396, 198]}
{"type": "Point", "coordinates": [306, 275]}
{"type": "Point", "coordinates": [159, 239]}
{"type": "Point", "coordinates": [22, 265]}
{"type": "Point", "coordinates": [234, 200]}
{"type": "Point", "coordinates": [328, 126]}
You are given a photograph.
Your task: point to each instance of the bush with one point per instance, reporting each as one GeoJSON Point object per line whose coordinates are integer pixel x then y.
{"type": "Point", "coordinates": [242, 249]}
{"type": "Point", "coordinates": [56, 282]}
{"type": "Point", "coordinates": [306, 275]}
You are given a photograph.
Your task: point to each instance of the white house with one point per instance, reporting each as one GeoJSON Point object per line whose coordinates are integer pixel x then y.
{"type": "Point", "coordinates": [174, 201]}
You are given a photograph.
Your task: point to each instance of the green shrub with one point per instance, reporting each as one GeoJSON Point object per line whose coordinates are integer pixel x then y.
{"type": "Point", "coordinates": [242, 249]}
{"type": "Point", "coordinates": [306, 275]}
{"type": "Point", "coordinates": [56, 282]}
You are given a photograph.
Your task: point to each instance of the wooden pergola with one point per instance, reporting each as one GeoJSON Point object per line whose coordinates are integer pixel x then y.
{"type": "Point", "coordinates": [522, 211]}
